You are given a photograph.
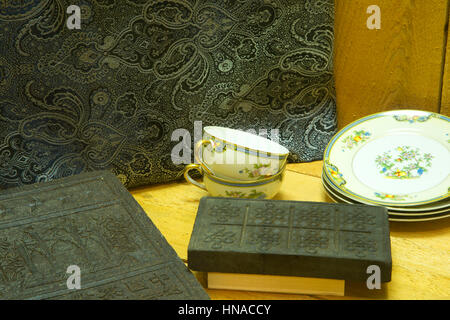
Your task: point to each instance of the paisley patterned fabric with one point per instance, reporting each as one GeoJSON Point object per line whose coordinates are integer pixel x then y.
{"type": "Point", "coordinates": [110, 95]}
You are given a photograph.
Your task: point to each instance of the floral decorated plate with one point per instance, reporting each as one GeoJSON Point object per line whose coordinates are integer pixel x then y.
{"type": "Point", "coordinates": [398, 212]}
{"type": "Point", "coordinates": [439, 216]}
{"type": "Point", "coordinates": [397, 218]}
{"type": "Point", "coordinates": [443, 205]}
{"type": "Point", "coordinates": [397, 158]}
{"type": "Point", "coordinates": [402, 218]}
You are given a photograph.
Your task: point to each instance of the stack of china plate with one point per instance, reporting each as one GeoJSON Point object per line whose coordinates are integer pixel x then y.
{"type": "Point", "coordinates": [397, 159]}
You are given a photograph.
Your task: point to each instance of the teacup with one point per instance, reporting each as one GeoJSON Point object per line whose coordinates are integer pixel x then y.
{"type": "Point", "coordinates": [217, 187]}
{"type": "Point", "coordinates": [238, 155]}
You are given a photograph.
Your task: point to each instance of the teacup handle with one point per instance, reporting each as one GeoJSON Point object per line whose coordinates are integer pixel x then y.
{"type": "Point", "coordinates": [198, 154]}
{"type": "Point", "coordinates": [189, 179]}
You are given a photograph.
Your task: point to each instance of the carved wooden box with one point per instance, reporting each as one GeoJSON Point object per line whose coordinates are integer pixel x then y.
{"type": "Point", "coordinates": [89, 221]}
{"type": "Point", "coordinates": [290, 238]}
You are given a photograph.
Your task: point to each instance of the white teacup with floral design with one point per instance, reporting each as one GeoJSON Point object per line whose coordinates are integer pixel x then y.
{"type": "Point", "coordinates": [217, 187]}
{"type": "Point", "coordinates": [238, 155]}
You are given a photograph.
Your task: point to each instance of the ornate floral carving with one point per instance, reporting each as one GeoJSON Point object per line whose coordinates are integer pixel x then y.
{"type": "Point", "coordinates": [265, 238]}
{"type": "Point", "coordinates": [225, 211]}
{"type": "Point", "coordinates": [270, 215]}
{"type": "Point", "coordinates": [218, 238]}
{"type": "Point", "coordinates": [314, 218]}
{"type": "Point", "coordinates": [87, 222]}
{"type": "Point", "coordinates": [360, 244]}
{"type": "Point", "coordinates": [357, 221]}
{"type": "Point", "coordinates": [311, 240]}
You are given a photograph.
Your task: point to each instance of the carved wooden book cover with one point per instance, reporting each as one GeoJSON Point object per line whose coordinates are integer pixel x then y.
{"type": "Point", "coordinates": [89, 221]}
{"type": "Point", "coordinates": [290, 238]}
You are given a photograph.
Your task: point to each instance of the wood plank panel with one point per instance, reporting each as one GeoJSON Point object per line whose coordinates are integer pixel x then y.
{"type": "Point", "coordinates": [396, 67]}
{"type": "Point", "coordinates": [445, 103]}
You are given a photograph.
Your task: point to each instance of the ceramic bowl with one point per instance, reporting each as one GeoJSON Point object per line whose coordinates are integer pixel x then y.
{"type": "Point", "coordinates": [217, 187]}
{"type": "Point", "coordinates": [238, 155]}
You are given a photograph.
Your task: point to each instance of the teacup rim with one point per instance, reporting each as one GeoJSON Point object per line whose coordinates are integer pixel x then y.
{"type": "Point", "coordinates": [286, 153]}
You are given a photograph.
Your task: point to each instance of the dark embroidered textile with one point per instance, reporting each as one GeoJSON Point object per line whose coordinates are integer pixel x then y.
{"type": "Point", "coordinates": [110, 95]}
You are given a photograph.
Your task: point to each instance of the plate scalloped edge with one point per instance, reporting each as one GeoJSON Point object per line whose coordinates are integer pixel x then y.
{"type": "Point", "coordinates": [339, 181]}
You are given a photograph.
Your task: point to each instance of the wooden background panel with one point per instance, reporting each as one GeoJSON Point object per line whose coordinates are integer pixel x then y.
{"type": "Point", "coordinates": [398, 66]}
{"type": "Point", "coordinates": [445, 103]}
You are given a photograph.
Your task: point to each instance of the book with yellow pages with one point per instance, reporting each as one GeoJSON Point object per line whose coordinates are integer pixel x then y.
{"type": "Point", "coordinates": [288, 246]}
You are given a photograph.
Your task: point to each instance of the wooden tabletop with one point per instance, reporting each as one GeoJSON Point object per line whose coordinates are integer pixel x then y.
{"type": "Point", "coordinates": [420, 250]}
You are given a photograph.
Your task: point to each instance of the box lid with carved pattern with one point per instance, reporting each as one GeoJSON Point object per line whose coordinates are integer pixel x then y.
{"type": "Point", "coordinates": [90, 227]}
{"type": "Point", "coordinates": [290, 238]}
